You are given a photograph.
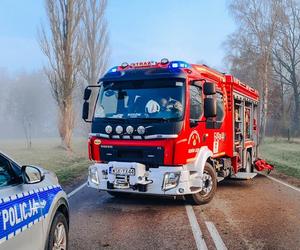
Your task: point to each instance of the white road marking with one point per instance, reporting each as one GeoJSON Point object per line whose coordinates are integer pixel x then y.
{"type": "Point", "coordinates": [215, 236]}
{"type": "Point", "coordinates": [201, 245]}
{"type": "Point", "coordinates": [76, 190]}
{"type": "Point", "coordinates": [281, 182]}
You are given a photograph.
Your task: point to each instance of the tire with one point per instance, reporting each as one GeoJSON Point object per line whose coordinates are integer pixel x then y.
{"type": "Point", "coordinates": [249, 167]}
{"type": "Point", "coordinates": [205, 196]}
{"type": "Point", "coordinates": [59, 223]}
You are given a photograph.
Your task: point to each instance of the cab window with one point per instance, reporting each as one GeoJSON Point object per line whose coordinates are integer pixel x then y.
{"type": "Point", "coordinates": [7, 175]}
{"type": "Point", "coordinates": [195, 102]}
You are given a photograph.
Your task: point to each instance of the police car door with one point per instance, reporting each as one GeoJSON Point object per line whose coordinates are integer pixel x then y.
{"type": "Point", "coordinates": [20, 215]}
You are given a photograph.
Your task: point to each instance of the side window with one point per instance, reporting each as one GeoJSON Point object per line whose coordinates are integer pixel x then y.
{"type": "Point", "coordinates": [195, 102]}
{"type": "Point", "coordinates": [220, 108]}
{"type": "Point", "coordinates": [7, 176]}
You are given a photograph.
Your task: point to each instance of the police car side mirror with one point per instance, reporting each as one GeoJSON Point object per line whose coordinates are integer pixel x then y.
{"type": "Point", "coordinates": [31, 174]}
{"type": "Point", "coordinates": [210, 107]}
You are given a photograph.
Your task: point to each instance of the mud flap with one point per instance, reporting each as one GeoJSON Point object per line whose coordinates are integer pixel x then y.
{"type": "Point", "coordinates": [261, 165]}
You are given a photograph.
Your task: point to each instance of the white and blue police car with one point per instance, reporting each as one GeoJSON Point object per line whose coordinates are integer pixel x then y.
{"type": "Point", "coordinates": [34, 211]}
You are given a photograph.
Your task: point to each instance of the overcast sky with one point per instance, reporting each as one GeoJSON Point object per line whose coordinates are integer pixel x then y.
{"type": "Point", "coordinates": [190, 30]}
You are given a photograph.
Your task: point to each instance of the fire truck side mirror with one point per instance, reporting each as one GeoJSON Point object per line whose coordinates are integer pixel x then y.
{"type": "Point", "coordinates": [85, 110]}
{"type": "Point", "coordinates": [87, 94]}
{"type": "Point", "coordinates": [210, 107]}
{"type": "Point", "coordinates": [209, 88]}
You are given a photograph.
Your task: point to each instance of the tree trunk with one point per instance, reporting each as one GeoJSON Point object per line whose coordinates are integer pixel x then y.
{"type": "Point", "coordinates": [296, 125]}
{"type": "Point", "coordinates": [66, 123]}
{"type": "Point", "coordinates": [265, 97]}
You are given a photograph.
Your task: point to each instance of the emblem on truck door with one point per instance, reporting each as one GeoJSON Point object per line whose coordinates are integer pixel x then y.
{"type": "Point", "coordinates": [194, 141]}
{"type": "Point", "coordinates": [194, 138]}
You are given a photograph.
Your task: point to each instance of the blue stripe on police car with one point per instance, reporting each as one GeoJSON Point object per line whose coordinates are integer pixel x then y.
{"type": "Point", "coordinates": [19, 212]}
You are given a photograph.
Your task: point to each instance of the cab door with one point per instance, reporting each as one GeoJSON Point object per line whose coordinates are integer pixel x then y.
{"type": "Point", "coordinates": [195, 125]}
{"type": "Point", "coordinates": [20, 215]}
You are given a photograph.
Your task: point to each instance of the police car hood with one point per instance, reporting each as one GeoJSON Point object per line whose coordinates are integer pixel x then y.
{"type": "Point", "coordinates": [48, 175]}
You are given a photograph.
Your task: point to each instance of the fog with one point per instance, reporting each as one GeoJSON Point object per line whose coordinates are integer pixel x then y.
{"type": "Point", "coordinates": [26, 106]}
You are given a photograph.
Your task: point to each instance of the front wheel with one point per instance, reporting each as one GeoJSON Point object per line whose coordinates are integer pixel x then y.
{"type": "Point", "coordinates": [58, 237]}
{"type": "Point", "coordinates": [209, 186]}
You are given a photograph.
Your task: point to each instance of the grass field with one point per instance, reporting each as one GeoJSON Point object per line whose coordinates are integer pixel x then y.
{"type": "Point", "coordinates": [283, 154]}
{"type": "Point", "coordinates": [48, 154]}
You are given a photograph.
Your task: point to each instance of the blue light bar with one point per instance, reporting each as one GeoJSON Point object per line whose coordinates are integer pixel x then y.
{"type": "Point", "coordinates": [179, 65]}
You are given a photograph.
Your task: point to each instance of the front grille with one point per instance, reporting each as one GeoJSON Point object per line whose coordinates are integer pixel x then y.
{"type": "Point", "coordinates": [150, 156]}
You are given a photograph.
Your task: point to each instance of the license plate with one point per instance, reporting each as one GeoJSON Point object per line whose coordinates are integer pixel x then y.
{"type": "Point", "coordinates": [123, 171]}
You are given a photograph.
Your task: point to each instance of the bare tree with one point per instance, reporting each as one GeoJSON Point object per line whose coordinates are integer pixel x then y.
{"type": "Point", "coordinates": [287, 55]}
{"type": "Point", "coordinates": [95, 40]}
{"type": "Point", "coordinates": [258, 21]}
{"type": "Point", "coordinates": [29, 107]}
{"type": "Point", "coordinates": [63, 50]}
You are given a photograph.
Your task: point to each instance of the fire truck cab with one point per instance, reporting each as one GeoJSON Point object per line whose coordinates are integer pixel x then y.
{"type": "Point", "coordinates": [170, 128]}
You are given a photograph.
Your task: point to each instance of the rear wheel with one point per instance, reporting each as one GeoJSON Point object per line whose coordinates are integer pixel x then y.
{"type": "Point", "coordinates": [209, 186]}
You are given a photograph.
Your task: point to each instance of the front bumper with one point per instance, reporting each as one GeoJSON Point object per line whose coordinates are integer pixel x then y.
{"type": "Point", "coordinates": [164, 180]}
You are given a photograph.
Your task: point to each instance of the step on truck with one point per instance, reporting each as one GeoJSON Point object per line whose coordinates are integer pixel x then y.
{"type": "Point", "coordinates": [170, 128]}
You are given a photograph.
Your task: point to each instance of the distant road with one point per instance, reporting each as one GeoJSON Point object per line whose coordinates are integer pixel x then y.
{"type": "Point", "coordinates": [255, 214]}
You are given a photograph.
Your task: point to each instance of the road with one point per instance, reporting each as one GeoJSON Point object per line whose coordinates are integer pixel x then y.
{"type": "Point", "coordinates": [254, 214]}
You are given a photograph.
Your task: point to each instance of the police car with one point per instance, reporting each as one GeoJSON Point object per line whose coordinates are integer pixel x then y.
{"type": "Point", "coordinates": [34, 210]}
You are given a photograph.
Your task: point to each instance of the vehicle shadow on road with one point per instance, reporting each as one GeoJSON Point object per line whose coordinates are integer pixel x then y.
{"type": "Point", "coordinates": [145, 200]}
{"type": "Point", "coordinates": [237, 183]}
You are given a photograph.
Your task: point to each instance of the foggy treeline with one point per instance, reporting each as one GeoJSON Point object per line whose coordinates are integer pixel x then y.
{"type": "Point", "coordinates": [49, 102]}
{"type": "Point", "coordinates": [264, 51]}
{"type": "Point", "coordinates": [26, 107]}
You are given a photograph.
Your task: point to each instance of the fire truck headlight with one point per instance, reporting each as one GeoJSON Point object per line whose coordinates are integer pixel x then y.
{"type": "Point", "coordinates": [171, 180]}
{"type": "Point", "coordinates": [93, 174]}
{"type": "Point", "coordinates": [108, 129]}
{"type": "Point", "coordinates": [119, 129]}
{"type": "Point", "coordinates": [129, 130]}
{"type": "Point", "coordinates": [141, 130]}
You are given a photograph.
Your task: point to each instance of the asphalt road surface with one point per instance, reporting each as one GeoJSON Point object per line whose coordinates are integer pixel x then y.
{"type": "Point", "coordinates": [253, 214]}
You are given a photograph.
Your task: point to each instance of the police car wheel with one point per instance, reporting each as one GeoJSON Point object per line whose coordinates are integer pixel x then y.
{"type": "Point", "coordinates": [58, 237]}
{"type": "Point", "coordinates": [209, 187]}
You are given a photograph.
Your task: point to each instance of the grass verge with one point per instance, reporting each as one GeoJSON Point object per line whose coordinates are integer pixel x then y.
{"type": "Point", "coordinates": [48, 154]}
{"type": "Point", "coordinates": [283, 154]}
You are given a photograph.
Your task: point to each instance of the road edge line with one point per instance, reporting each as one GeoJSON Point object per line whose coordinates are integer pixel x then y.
{"type": "Point", "coordinates": [198, 235]}
{"type": "Point", "coordinates": [76, 190]}
{"type": "Point", "coordinates": [281, 182]}
{"type": "Point", "coordinates": [215, 236]}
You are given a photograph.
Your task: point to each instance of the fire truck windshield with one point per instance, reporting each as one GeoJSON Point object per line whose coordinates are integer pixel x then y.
{"type": "Point", "coordinates": [148, 99]}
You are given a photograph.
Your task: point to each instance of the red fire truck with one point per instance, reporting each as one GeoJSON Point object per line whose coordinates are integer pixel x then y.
{"type": "Point", "coordinates": [170, 128]}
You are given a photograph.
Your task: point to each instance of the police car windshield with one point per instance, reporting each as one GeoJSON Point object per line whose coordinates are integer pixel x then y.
{"type": "Point", "coordinates": [148, 99]}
